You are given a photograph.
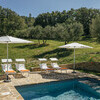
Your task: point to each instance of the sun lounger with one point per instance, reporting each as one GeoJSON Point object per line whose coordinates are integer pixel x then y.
{"type": "Point", "coordinates": [4, 66]}
{"type": "Point", "coordinates": [55, 65]}
{"type": "Point", "coordinates": [43, 65]}
{"type": "Point", "coordinates": [20, 66]}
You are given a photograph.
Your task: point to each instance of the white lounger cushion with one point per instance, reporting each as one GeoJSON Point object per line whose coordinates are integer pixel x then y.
{"type": "Point", "coordinates": [55, 65]}
{"type": "Point", "coordinates": [4, 67]}
{"type": "Point", "coordinates": [20, 60]}
{"type": "Point", "coordinates": [5, 60]}
{"type": "Point", "coordinates": [42, 59]}
{"type": "Point", "coordinates": [20, 67]}
{"type": "Point", "coordinates": [53, 59]}
{"type": "Point", "coordinates": [43, 66]}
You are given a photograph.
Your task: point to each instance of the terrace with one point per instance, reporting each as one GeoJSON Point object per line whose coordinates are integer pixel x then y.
{"type": "Point", "coordinates": [8, 91]}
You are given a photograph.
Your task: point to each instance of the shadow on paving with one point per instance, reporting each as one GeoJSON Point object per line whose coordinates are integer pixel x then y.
{"type": "Point", "coordinates": [16, 76]}
{"type": "Point", "coordinates": [19, 76]}
{"type": "Point", "coordinates": [59, 53]}
{"type": "Point", "coordinates": [3, 77]}
{"type": "Point", "coordinates": [32, 46]}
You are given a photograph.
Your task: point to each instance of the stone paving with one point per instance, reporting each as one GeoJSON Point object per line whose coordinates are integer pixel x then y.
{"type": "Point", "coordinates": [9, 92]}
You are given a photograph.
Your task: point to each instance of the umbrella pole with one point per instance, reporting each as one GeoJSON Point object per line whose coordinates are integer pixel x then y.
{"type": "Point", "coordinates": [74, 62]}
{"type": "Point", "coordinates": [7, 60]}
{"type": "Point", "coordinates": [7, 80]}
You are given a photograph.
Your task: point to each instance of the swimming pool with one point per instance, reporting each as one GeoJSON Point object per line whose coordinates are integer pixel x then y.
{"type": "Point", "coordinates": [61, 90]}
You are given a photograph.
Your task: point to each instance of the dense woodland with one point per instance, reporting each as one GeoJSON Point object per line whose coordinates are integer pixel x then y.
{"type": "Point", "coordinates": [72, 25]}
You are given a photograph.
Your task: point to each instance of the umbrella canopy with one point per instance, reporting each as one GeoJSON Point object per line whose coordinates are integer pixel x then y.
{"type": "Point", "coordinates": [74, 46]}
{"type": "Point", "coordinates": [10, 39]}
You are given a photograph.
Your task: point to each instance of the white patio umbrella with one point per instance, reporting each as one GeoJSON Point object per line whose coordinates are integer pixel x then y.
{"type": "Point", "coordinates": [10, 39]}
{"type": "Point", "coordinates": [74, 46]}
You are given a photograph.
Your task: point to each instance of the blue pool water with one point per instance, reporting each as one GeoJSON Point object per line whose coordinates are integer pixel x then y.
{"type": "Point", "coordinates": [62, 90]}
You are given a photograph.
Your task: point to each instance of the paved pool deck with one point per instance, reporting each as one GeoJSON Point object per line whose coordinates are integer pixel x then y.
{"type": "Point", "coordinates": [9, 92]}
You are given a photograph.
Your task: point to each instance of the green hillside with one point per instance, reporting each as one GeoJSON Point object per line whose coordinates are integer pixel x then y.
{"type": "Point", "coordinates": [31, 52]}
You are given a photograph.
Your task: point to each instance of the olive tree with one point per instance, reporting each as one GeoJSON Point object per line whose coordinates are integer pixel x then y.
{"type": "Point", "coordinates": [95, 28]}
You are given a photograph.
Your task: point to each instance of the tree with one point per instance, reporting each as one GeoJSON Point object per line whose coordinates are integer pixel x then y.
{"type": "Point", "coordinates": [72, 32]}
{"type": "Point", "coordinates": [95, 28]}
{"type": "Point", "coordinates": [76, 31]}
{"type": "Point", "coordinates": [46, 34]}
{"type": "Point", "coordinates": [29, 20]}
{"type": "Point", "coordinates": [59, 29]}
{"type": "Point", "coordinates": [38, 33]}
{"type": "Point", "coordinates": [10, 22]}
{"type": "Point", "coordinates": [85, 16]}
{"type": "Point", "coordinates": [65, 36]}
{"type": "Point", "coordinates": [25, 33]}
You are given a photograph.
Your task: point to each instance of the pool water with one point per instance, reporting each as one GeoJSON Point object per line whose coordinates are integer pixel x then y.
{"type": "Point", "coordinates": [62, 90]}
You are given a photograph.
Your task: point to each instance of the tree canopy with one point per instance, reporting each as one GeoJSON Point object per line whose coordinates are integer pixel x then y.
{"type": "Point", "coordinates": [82, 15]}
{"type": "Point", "coordinates": [66, 25]}
{"type": "Point", "coordinates": [10, 21]}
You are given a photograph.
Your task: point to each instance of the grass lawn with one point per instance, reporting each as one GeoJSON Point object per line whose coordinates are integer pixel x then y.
{"type": "Point", "coordinates": [31, 52]}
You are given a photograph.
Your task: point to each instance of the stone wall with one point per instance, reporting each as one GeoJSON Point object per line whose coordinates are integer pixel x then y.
{"type": "Point", "coordinates": [90, 66]}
